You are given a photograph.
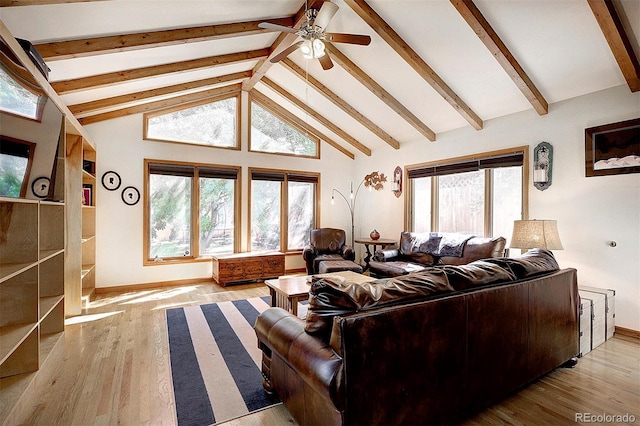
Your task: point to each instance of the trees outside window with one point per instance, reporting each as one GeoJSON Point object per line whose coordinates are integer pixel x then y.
{"type": "Point", "coordinates": [270, 133]}
{"type": "Point", "coordinates": [19, 95]}
{"type": "Point", "coordinates": [185, 199]}
{"type": "Point", "coordinates": [301, 213]}
{"type": "Point", "coordinates": [15, 163]}
{"type": "Point", "coordinates": [217, 215]}
{"type": "Point", "coordinates": [210, 123]}
{"type": "Point", "coordinates": [275, 192]}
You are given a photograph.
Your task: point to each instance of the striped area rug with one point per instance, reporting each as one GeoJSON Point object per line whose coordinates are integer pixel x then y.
{"type": "Point", "coordinates": [215, 361]}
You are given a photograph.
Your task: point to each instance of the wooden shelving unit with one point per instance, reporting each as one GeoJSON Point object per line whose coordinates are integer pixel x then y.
{"type": "Point", "coordinates": [88, 224]}
{"type": "Point", "coordinates": [81, 224]}
{"type": "Point", "coordinates": [31, 283]}
{"type": "Point", "coordinates": [43, 247]}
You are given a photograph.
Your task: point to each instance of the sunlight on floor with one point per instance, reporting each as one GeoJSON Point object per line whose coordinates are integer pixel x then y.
{"type": "Point", "coordinates": [140, 296]}
{"type": "Point", "coordinates": [119, 298]}
{"type": "Point", "coordinates": [88, 318]}
{"type": "Point", "coordinates": [161, 295]}
{"type": "Point", "coordinates": [174, 305]}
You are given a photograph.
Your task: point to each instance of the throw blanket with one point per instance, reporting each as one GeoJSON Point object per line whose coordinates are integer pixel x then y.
{"type": "Point", "coordinates": [445, 244]}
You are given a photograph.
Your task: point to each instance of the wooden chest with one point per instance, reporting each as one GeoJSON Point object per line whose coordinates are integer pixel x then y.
{"type": "Point", "coordinates": [593, 320]}
{"type": "Point", "coordinates": [609, 305]}
{"type": "Point", "coordinates": [584, 322]}
{"type": "Point", "coordinates": [244, 267]}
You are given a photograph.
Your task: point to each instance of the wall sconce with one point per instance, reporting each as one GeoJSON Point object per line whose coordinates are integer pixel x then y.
{"type": "Point", "coordinates": [542, 165]}
{"type": "Point", "coordinates": [396, 186]}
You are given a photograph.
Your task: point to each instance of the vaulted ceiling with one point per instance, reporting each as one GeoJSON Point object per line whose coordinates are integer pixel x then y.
{"type": "Point", "coordinates": [432, 65]}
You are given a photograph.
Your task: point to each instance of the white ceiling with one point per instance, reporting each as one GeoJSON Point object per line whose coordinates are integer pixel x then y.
{"type": "Point", "coordinates": [557, 42]}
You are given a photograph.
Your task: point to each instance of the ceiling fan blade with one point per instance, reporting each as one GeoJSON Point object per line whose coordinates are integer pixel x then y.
{"type": "Point", "coordinates": [286, 52]}
{"type": "Point", "coordinates": [348, 38]}
{"type": "Point", "coordinates": [276, 27]}
{"type": "Point", "coordinates": [327, 10]}
{"type": "Point", "coordinates": [326, 61]}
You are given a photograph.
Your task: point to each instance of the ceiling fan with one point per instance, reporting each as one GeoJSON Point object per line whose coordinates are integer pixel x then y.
{"type": "Point", "coordinates": [313, 35]}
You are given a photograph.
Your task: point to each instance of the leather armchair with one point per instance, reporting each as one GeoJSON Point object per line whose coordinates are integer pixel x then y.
{"type": "Point", "coordinates": [326, 244]}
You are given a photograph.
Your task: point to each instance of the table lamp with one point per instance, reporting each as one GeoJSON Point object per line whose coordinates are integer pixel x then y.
{"type": "Point", "coordinates": [529, 234]}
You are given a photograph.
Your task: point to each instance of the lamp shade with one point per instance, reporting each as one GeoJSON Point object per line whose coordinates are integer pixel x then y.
{"type": "Point", "coordinates": [529, 234]}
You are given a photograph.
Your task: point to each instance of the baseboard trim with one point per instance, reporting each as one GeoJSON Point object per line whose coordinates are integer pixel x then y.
{"type": "Point", "coordinates": [174, 283]}
{"type": "Point", "coordinates": [628, 332]}
{"type": "Point", "coordinates": [146, 286]}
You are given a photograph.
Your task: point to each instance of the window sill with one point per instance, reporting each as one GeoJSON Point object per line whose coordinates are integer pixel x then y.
{"type": "Point", "coordinates": [177, 261]}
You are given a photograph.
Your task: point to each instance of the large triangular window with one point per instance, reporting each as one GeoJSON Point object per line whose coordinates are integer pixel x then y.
{"type": "Point", "coordinates": [210, 123]}
{"type": "Point", "coordinates": [272, 132]}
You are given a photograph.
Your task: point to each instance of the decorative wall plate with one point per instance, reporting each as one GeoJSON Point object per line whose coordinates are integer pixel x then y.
{"type": "Point", "coordinates": [130, 195]}
{"type": "Point", "coordinates": [40, 187]}
{"type": "Point", "coordinates": [111, 180]}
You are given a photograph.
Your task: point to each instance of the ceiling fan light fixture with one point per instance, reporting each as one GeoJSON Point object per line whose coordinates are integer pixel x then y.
{"type": "Point", "coordinates": [318, 48]}
{"type": "Point", "coordinates": [306, 48]}
{"type": "Point", "coordinates": [312, 49]}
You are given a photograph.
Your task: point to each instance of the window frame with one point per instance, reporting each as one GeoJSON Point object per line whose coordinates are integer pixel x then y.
{"type": "Point", "coordinates": [284, 204]}
{"type": "Point", "coordinates": [285, 116]}
{"type": "Point", "coordinates": [227, 95]}
{"type": "Point", "coordinates": [488, 190]}
{"type": "Point", "coordinates": [195, 255]}
{"type": "Point", "coordinates": [10, 144]}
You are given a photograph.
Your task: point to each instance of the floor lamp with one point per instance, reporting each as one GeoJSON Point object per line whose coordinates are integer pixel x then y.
{"type": "Point", "coordinates": [372, 181]}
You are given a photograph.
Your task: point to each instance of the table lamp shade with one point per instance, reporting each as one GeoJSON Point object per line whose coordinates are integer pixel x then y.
{"type": "Point", "coordinates": [529, 234]}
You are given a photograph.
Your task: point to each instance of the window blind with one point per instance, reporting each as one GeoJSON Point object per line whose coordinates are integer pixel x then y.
{"type": "Point", "coordinates": [171, 169]}
{"type": "Point", "coordinates": [267, 175]}
{"type": "Point", "coordinates": [490, 162]}
{"type": "Point", "coordinates": [218, 172]}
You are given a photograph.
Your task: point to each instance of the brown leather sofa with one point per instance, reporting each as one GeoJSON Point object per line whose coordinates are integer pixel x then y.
{"type": "Point", "coordinates": [326, 244]}
{"type": "Point", "coordinates": [426, 348]}
{"type": "Point", "coordinates": [417, 251]}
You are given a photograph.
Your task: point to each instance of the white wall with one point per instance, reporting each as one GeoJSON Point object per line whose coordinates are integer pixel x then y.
{"type": "Point", "coordinates": [119, 242]}
{"type": "Point", "coordinates": [590, 211]}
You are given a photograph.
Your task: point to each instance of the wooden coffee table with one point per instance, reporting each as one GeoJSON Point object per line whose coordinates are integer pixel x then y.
{"type": "Point", "coordinates": [287, 291]}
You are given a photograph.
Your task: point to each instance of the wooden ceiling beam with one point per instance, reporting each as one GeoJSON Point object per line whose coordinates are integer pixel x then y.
{"type": "Point", "coordinates": [283, 41]}
{"type": "Point", "coordinates": [379, 91]}
{"type": "Point", "coordinates": [318, 117]}
{"type": "Point", "coordinates": [164, 103]}
{"type": "Point", "coordinates": [501, 53]}
{"type": "Point", "coordinates": [412, 58]}
{"type": "Point", "coordinates": [117, 77]}
{"type": "Point", "coordinates": [340, 103]}
{"type": "Point", "coordinates": [122, 43]}
{"type": "Point", "coordinates": [274, 107]}
{"type": "Point", "coordinates": [616, 36]}
{"type": "Point", "coordinates": [138, 97]}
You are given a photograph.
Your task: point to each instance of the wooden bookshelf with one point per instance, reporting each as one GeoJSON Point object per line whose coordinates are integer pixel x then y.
{"type": "Point", "coordinates": [31, 281]}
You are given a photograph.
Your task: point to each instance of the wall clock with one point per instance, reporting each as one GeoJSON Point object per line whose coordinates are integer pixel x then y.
{"type": "Point", "coordinates": [111, 180]}
{"type": "Point", "coordinates": [40, 187]}
{"type": "Point", "coordinates": [130, 195]}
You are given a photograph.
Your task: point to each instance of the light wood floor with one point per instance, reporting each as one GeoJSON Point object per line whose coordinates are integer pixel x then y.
{"type": "Point", "coordinates": [112, 367]}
